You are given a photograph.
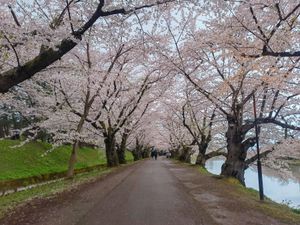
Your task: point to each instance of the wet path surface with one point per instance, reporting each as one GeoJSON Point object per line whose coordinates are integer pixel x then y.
{"type": "Point", "coordinates": [151, 192]}
{"type": "Point", "coordinates": [150, 195]}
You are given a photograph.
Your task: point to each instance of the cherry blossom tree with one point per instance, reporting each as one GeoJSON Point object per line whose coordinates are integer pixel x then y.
{"type": "Point", "coordinates": [257, 28]}
{"type": "Point", "coordinates": [198, 117]}
{"type": "Point", "coordinates": [229, 81]}
{"type": "Point", "coordinates": [170, 76]}
{"type": "Point", "coordinates": [65, 102]}
{"type": "Point", "coordinates": [91, 93]}
{"type": "Point", "coordinates": [30, 44]}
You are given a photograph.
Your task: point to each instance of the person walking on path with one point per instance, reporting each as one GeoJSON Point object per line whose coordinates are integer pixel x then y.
{"type": "Point", "coordinates": [154, 153]}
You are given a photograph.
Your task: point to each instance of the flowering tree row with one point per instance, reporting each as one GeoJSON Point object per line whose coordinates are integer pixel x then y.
{"type": "Point", "coordinates": [173, 74]}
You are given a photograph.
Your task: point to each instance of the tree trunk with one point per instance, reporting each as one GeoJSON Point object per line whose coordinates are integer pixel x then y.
{"type": "Point", "coordinates": [121, 155]}
{"type": "Point", "coordinates": [2, 134]}
{"type": "Point", "coordinates": [122, 149]}
{"type": "Point", "coordinates": [187, 158]}
{"type": "Point", "coordinates": [202, 147]}
{"type": "Point", "coordinates": [110, 149]}
{"type": "Point", "coordinates": [185, 154]}
{"type": "Point", "coordinates": [175, 153]}
{"type": "Point", "coordinates": [146, 153]}
{"type": "Point", "coordinates": [75, 147]}
{"type": "Point", "coordinates": [137, 153]}
{"type": "Point", "coordinates": [235, 165]}
{"type": "Point", "coordinates": [201, 160]}
{"type": "Point", "coordinates": [73, 159]}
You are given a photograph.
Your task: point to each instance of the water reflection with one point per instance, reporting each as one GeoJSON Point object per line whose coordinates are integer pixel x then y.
{"type": "Point", "coordinates": [275, 187]}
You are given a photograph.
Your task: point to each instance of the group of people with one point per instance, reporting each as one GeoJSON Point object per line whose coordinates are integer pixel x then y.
{"type": "Point", "coordinates": [154, 153]}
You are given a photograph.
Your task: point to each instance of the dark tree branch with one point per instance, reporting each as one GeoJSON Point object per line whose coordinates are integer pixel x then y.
{"type": "Point", "coordinates": [15, 52]}
{"type": "Point", "coordinates": [256, 22]}
{"type": "Point", "coordinates": [14, 16]}
{"type": "Point", "coordinates": [254, 158]}
{"type": "Point", "coordinates": [250, 142]}
{"type": "Point", "coordinates": [187, 126]}
{"type": "Point", "coordinates": [266, 50]}
{"type": "Point", "coordinates": [17, 75]}
{"type": "Point", "coordinates": [248, 126]}
{"type": "Point", "coordinates": [69, 15]}
{"type": "Point", "coordinates": [215, 154]}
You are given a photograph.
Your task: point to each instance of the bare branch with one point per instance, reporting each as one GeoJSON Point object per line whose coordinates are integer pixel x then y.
{"type": "Point", "coordinates": [14, 16]}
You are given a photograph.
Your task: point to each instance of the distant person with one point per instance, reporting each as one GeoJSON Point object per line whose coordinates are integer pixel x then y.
{"type": "Point", "coordinates": [154, 153]}
{"type": "Point", "coordinates": [168, 154]}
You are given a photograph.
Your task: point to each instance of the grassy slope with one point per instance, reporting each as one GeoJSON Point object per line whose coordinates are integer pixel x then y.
{"type": "Point", "coordinates": [129, 156]}
{"type": "Point", "coordinates": [251, 196]}
{"type": "Point", "coordinates": [28, 160]}
{"type": "Point", "coordinates": [294, 162]}
{"type": "Point", "coordinates": [10, 201]}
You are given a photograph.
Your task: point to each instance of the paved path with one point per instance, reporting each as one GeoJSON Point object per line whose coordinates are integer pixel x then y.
{"type": "Point", "coordinates": [144, 194]}
{"type": "Point", "coordinates": [150, 195]}
{"type": "Point", "coordinates": [151, 192]}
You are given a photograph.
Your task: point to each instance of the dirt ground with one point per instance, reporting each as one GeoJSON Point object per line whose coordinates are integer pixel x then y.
{"type": "Point", "coordinates": [152, 192]}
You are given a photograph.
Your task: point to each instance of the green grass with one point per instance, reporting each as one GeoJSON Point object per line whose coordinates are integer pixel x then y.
{"type": "Point", "coordinates": [29, 159]}
{"type": "Point", "coordinates": [294, 162]}
{"type": "Point", "coordinates": [276, 210]}
{"type": "Point", "coordinates": [296, 210]}
{"type": "Point", "coordinates": [251, 197]}
{"type": "Point", "coordinates": [10, 201]}
{"type": "Point", "coordinates": [129, 156]}
{"type": "Point", "coordinates": [203, 170]}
